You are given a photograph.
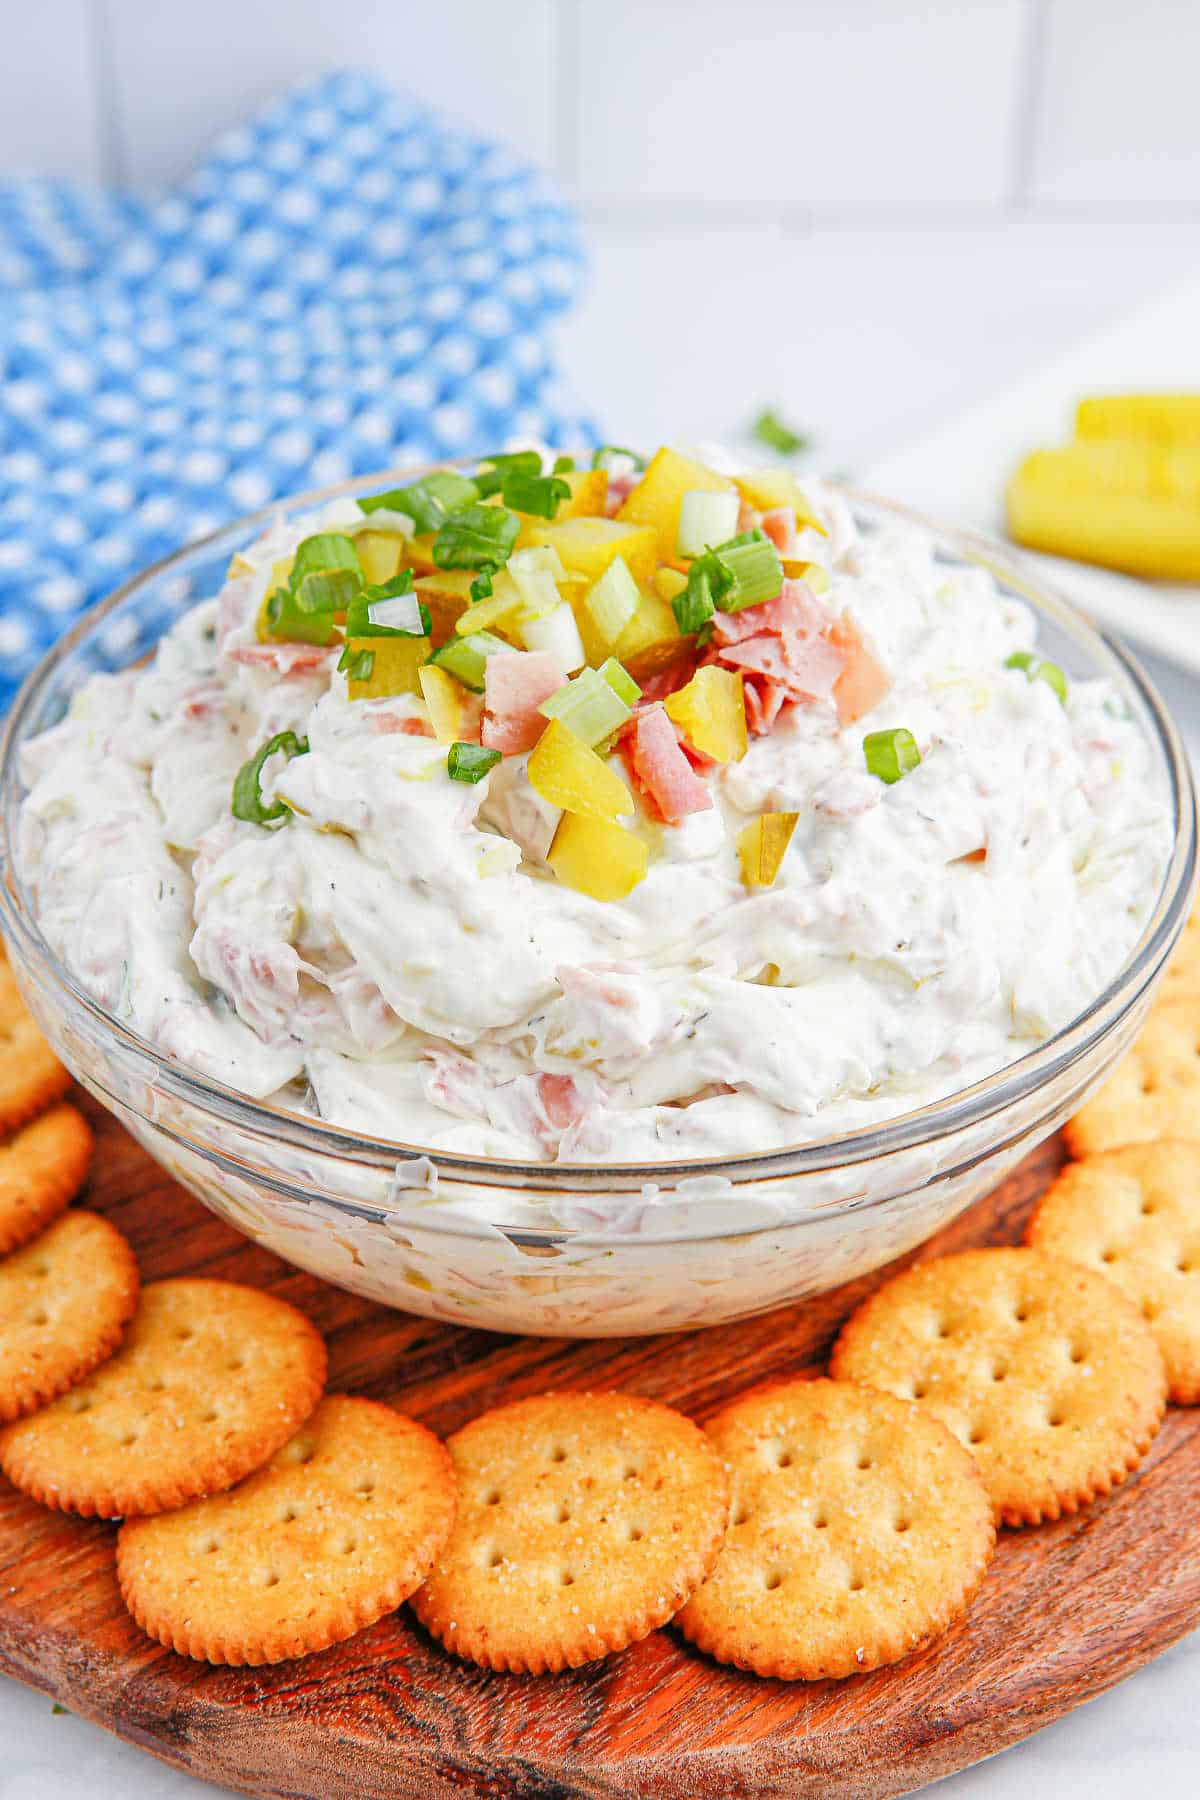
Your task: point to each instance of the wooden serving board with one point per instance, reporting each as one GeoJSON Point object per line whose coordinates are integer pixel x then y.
{"type": "Point", "coordinates": [1066, 1611]}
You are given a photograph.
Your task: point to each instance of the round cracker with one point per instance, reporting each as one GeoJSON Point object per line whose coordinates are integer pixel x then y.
{"type": "Point", "coordinates": [1133, 1215]}
{"type": "Point", "coordinates": [212, 1379]}
{"type": "Point", "coordinates": [338, 1529]}
{"type": "Point", "coordinates": [584, 1521]}
{"type": "Point", "coordinates": [41, 1170]}
{"type": "Point", "coordinates": [859, 1530]}
{"type": "Point", "coordinates": [1181, 981]}
{"type": "Point", "coordinates": [31, 1076]}
{"type": "Point", "coordinates": [1153, 1093]}
{"type": "Point", "coordinates": [65, 1300]}
{"type": "Point", "coordinates": [1047, 1373]}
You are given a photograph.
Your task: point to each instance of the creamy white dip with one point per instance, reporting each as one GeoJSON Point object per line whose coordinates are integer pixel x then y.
{"type": "Point", "coordinates": [392, 961]}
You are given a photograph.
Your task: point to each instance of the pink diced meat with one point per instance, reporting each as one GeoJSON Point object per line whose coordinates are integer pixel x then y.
{"type": "Point", "coordinates": [864, 681]}
{"type": "Point", "coordinates": [660, 768]}
{"type": "Point", "coordinates": [514, 686]}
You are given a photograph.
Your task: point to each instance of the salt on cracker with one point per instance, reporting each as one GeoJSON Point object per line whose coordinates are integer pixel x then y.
{"type": "Point", "coordinates": [1181, 980]}
{"type": "Point", "coordinates": [212, 1379]}
{"type": "Point", "coordinates": [1133, 1215]}
{"type": "Point", "coordinates": [65, 1300]}
{"type": "Point", "coordinates": [338, 1529]}
{"type": "Point", "coordinates": [1153, 1093]}
{"type": "Point", "coordinates": [584, 1521]}
{"type": "Point", "coordinates": [41, 1170]}
{"type": "Point", "coordinates": [1046, 1372]}
{"type": "Point", "coordinates": [859, 1530]}
{"type": "Point", "coordinates": [31, 1076]}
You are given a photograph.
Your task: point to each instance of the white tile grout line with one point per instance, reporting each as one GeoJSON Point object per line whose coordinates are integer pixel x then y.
{"type": "Point", "coordinates": [1028, 100]}
{"type": "Point", "coordinates": [111, 145]}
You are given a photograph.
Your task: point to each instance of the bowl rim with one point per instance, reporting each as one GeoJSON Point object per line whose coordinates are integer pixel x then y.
{"type": "Point", "coordinates": [921, 1127]}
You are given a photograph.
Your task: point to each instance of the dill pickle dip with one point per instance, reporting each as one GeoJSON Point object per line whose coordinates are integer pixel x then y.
{"type": "Point", "coordinates": [587, 814]}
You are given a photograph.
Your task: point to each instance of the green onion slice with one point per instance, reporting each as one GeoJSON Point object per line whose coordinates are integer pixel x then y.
{"type": "Point", "coordinates": [891, 754]}
{"type": "Point", "coordinates": [1038, 669]}
{"type": "Point", "coordinates": [603, 457]}
{"type": "Point", "coordinates": [709, 583]}
{"type": "Point", "coordinates": [427, 501]}
{"type": "Point", "coordinates": [757, 573]}
{"type": "Point", "coordinates": [494, 471]}
{"type": "Point", "coordinates": [563, 465]}
{"type": "Point", "coordinates": [620, 681]}
{"type": "Point", "coordinates": [481, 587]}
{"type": "Point", "coordinates": [292, 619]}
{"type": "Point", "coordinates": [466, 657]}
{"type": "Point", "coordinates": [589, 706]}
{"type": "Point", "coordinates": [247, 786]}
{"type": "Point", "coordinates": [476, 537]}
{"type": "Point", "coordinates": [326, 550]}
{"type": "Point", "coordinates": [541, 495]}
{"type": "Point", "coordinates": [390, 610]}
{"type": "Point", "coordinates": [771, 430]}
{"type": "Point", "coordinates": [468, 762]}
{"type": "Point", "coordinates": [357, 665]}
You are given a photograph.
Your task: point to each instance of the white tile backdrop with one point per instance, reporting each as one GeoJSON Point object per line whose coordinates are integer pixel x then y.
{"type": "Point", "coordinates": [759, 110]}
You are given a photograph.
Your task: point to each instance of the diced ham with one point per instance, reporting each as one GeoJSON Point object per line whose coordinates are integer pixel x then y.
{"type": "Point", "coordinates": [514, 686]}
{"type": "Point", "coordinates": [795, 608]}
{"type": "Point", "coordinates": [284, 659]}
{"type": "Point", "coordinates": [385, 724]}
{"type": "Point", "coordinates": [669, 680]}
{"type": "Point", "coordinates": [864, 681]}
{"type": "Point", "coordinates": [661, 770]}
{"type": "Point", "coordinates": [780, 526]}
{"type": "Point", "coordinates": [764, 702]}
{"type": "Point", "coordinates": [561, 1100]}
{"type": "Point", "coordinates": [806, 667]}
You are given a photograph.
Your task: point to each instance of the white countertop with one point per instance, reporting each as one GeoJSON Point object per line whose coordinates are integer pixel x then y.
{"type": "Point", "coordinates": [889, 335]}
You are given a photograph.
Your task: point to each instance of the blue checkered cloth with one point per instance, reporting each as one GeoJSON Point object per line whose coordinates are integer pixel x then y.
{"type": "Point", "coordinates": [344, 284]}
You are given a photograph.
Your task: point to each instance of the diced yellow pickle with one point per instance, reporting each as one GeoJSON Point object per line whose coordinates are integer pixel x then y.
{"type": "Point", "coordinates": [711, 712]}
{"type": "Point", "coordinates": [658, 496]}
{"type": "Point", "coordinates": [814, 575]}
{"type": "Point", "coordinates": [761, 847]}
{"type": "Point", "coordinates": [566, 773]}
{"type": "Point", "coordinates": [447, 594]}
{"type": "Point", "coordinates": [588, 545]}
{"type": "Point", "coordinates": [380, 553]}
{"type": "Point", "coordinates": [1167, 418]}
{"type": "Point", "coordinates": [652, 639]}
{"type": "Point", "coordinates": [418, 553]}
{"type": "Point", "coordinates": [1126, 505]}
{"type": "Point", "coordinates": [766, 489]}
{"type": "Point", "coordinates": [396, 669]}
{"type": "Point", "coordinates": [494, 613]}
{"type": "Point", "coordinates": [596, 857]}
{"type": "Point", "coordinates": [589, 492]}
{"type": "Point", "coordinates": [668, 583]}
{"type": "Point", "coordinates": [448, 702]}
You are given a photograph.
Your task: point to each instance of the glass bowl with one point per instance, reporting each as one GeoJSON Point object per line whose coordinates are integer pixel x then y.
{"type": "Point", "coordinates": [555, 1249]}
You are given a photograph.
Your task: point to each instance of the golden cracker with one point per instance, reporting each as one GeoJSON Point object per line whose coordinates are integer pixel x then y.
{"type": "Point", "coordinates": [1046, 1372]}
{"type": "Point", "coordinates": [212, 1379]}
{"type": "Point", "coordinates": [859, 1530]}
{"type": "Point", "coordinates": [1153, 1093]}
{"type": "Point", "coordinates": [1181, 979]}
{"type": "Point", "coordinates": [65, 1300]}
{"type": "Point", "coordinates": [31, 1076]}
{"type": "Point", "coordinates": [338, 1529]}
{"type": "Point", "coordinates": [41, 1170]}
{"type": "Point", "coordinates": [584, 1521]}
{"type": "Point", "coordinates": [1133, 1215]}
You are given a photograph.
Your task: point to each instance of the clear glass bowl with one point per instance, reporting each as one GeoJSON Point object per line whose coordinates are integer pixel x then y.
{"type": "Point", "coordinates": [572, 1250]}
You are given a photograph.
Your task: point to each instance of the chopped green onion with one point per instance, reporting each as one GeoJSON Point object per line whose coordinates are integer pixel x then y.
{"type": "Point", "coordinates": [327, 550]}
{"type": "Point", "coordinates": [494, 471]}
{"type": "Point", "coordinates": [588, 706]}
{"type": "Point", "coordinates": [708, 583]}
{"type": "Point", "coordinates": [891, 754]}
{"type": "Point", "coordinates": [563, 465]}
{"type": "Point", "coordinates": [357, 665]}
{"type": "Point", "coordinates": [481, 587]}
{"type": "Point", "coordinates": [428, 501]}
{"type": "Point", "coordinates": [476, 537]}
{"type": "Point", "coordinates": [389, 610]}
{"type": "Point", "coordinates": [290, 618]}
{"type": "Point", "coordinates": [1038, 669]}
{"type": "Point", "coordinates": [603, 457]}
{"type": "Point", "coordinates": [467, 762]}
{"type": "Point", "coordinates": [247, 786]}
{"type": "Point", "coordinates": [757, 573]}
{"type": "Point", "coordinates": [541, 495]}
{"type": "Point", "coordinates": [770, 429]}
{"type": "Point", "coordinates": [620, 681]}
{"type": "Point", "coordinates": [705, 518]}
{"type": "Point", "coordinates": [326, 590]}
{"type": "Point", "coordinates": [613, 600]}
{"type": "Point", "coordinates": [466, 657]}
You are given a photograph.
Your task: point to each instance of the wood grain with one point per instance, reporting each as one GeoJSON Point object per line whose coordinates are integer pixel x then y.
{"type": "Point", "coordinates": [1066, 1610]}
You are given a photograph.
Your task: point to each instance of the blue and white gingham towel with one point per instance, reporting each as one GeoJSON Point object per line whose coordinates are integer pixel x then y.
{"type": "Point", "coordinates": [345, 283]}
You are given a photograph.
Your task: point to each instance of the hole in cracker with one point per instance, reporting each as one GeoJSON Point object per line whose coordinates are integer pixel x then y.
{"type": "Point", "coordinates": [236, 1362]}
{"type": "Point", "coordinates": [42, 1269]}
{"type": "Point", "coordinates": [495, 1559]}
{"type": "Point", "coordinates": [80, 1403]}
{"type": "Point", "coordinates": [271, 1578]}
{"type": "Point", "coordinates": [558, 1454]}
{"type": "Point", "coordinates": [367, 1486]}
{"type": "Point", "coordinates": [635, 1534]}
{"type": "Point", "coordinates": [629, 1472]}
{"type": "Point", "coordinates": [1149, 1309]}
{"type": "Point", "coordinates": [1148, 1084]}
{"type": "Point", "coordinates": [1078, 1353]}
{"type": "Point", "coordinates": [1185, 1265]}
{"type": "Point", "coordinates": [821, 1520]}
{"type": "Point", "coordinates": [741, 1514]}
{"type": "Point", "coordinates": [1021, 1311]}
{"type": "Point", "coordinates": [40, 1317]}
{"type": "Point", "coordinates": [1147, 1208]}
{"type": "Point", "coordinates": [157, 1386]}
{"type": "Point", "coordinates": [183, 1333]}
{"type": "Point", "coordinates": [920, 1389]}
{"type": "Point", "coordinates": [563, 1515]}
{"type": "Point", "coordinates": [856, 1584]}
{"type": "Point", "coordinates": [976, 1434]}
{"type": "Point", "coordinates": [1056, 1417]}
{"type": "Point", "coordinates": [492, 1497]}
{"type": "Point", "coordinates": [566, 1579]}
{"type": "Point", "coordinates": [287, 1515]}
{"type": "Point", "coordinates": [208, 1417]}
{"type": "Point", "coordinates": [999, 1370]}
{"type": "Point", "coordinates": [129, 1439]}
{"type": "Point", "coordinates": [943, 1329]}
{"type": "Point", "coordinates": [774, 1579]}
{"type": "Point", "coordinates": [210, 1546]}
{"type": "Point", "coordinates": [348, 1545]}
{"type": "Point", "coordinates": [864, 1461]}
{"type": "Point", "coordinates": [300, 1450]}
{"type": "Point", "coordinates": [1108, 1256]}
{"type": "Point", "coordinates": [783, 1460]}
{"type": "Point", "coordinates": [902, 1522]}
